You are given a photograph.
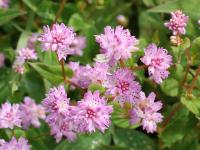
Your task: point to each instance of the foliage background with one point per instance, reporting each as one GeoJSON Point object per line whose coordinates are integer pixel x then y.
{"type": "Point", "coordinates": [89, 17]}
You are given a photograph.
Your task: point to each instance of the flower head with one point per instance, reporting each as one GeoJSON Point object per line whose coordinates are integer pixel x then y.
{"type": "Point", "coordinates": [31, 113]}
{"type": "Point", "coordinates": [27, 54]}
{"type": "Point", "coordinates": [117, 43]}
{"type": "Point", "coordinates": [122, 85]}
{"type": "Point", "coordinates": [4, 4]}
{"type": "Point", "coordinates": [177, 23]}
{"type": "Point", "coordinates": [18, 65]}
{"type": "Point", "coordinates": [77, 46]}
{"type": "Point", "coordinates": [61, 125]}
{"type": "Point", "coordinates": [32, 41]}
{"type": "Point", "coordinates": [14, 144]}
{"type": "Point", "coordinates": [22, 56]}
{"type": "Point", "coordinates": [92, 113]}
{"type": "Point", "coordinates": [56, 101]}
{"type": "Point", "coordinates": [146, 111]}
{"type": "Point", "coordinates": [99, 72]}
{"type": "Point", "coordinates": [59, 114]}
{"type": "Point", "coordinates": [10, 116]}
{"type": "Point", "coordinates": [58, 38]}
{"type": "Point", "coordinates": [82, 74]}
{"type": "Point", "coordinates": [158, 61]}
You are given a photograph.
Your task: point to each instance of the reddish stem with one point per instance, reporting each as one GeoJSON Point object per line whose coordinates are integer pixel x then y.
{"type": "Point", "coordinates": [135, 68]}
{"type": "Point", "coordinates": [122, 64]}
{"type": "Point", "coordinates": [59, 12]}
{"type": "Point", "coordinates": [194, 80]}
{"type": "Point", "coordinates": [172, 113]}
{"type": "Point", "coordinates": [188, 57]}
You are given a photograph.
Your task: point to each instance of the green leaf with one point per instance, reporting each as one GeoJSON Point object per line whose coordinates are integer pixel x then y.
{"type": "Point", "coordinates": [189, 142]}
{"type": "Point", "coordinates": [7, 15]}
{"type": "Point", "coordinates": [176, 129]}
{"type": "Point", "coordinates": [36, 140]}
{"type": "Point", "coordinates": [77, 22]}
{"type": "Point", "coordinates": [104, 147]}
{"type": "Point", "coordinates": [86, 142]}
{"type": "Point", "coordinates": [194, 51]}
{"type": "Point", "coordinates": [34, 85]}
{"type": "Point", "coordinates": [170, 87]}
{"type": "Point", "coordinates": [53, 73]}
{"type": "Point", "coordinates": [96, 87]}
{"type": "Point", "coordinates": [44, 9]}
{"type": "Point", "coordinates": [192, 104]}
{"type": "Point", "coordinates": [190, 8]}
{"type": "Point", "coordinates": [177, 73]}
{"type": "Point", "coordinates": [5, 85]}
{"type": "Point", "coordinates": [22, 42]}
{"type": "Point", "coordinates": [19, 133]}
{"type": "Point", "coordinates": [120, 117]}
{"type": "Point", "coordinates": [132, 139]}
{"type": "Point", "coordinates": [166, 7]}
{"type": "Point", "coordinates": [185, 44]}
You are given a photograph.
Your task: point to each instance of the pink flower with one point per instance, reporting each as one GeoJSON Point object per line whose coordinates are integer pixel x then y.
{"type": "Point", "coordinates": [2, 59]}
{"type": "Point", "coordinates": [117, 43]}
{"type": "Point", "coordinates": [10, 116]}
{"type": "Point", "coordinates": [177, 23]}
{"type": "Point", "coordinates": [99, 73]}
{"type": "Point", "coordinates": [18, 65]}
{"type": "Point", "coordinates": [82, 74]}
{"type": "Point", "coordinates": [4, 4]}
{"type": "Point", "coordinates": [31, 113]}
{"type": "Point", "coordinates": [92, 113]}
{"type": "Point", "coordinates": [14, 144]}
{"type": "Point", "coordinates": [56, 101]}
{"type": "Point", "coordinates": [146, 111]}
{"type": "Point", "coordinates": [158, 61]}
{"type": "Point", "coordinates": [61, 125]}
{"type": "Point", "coordinates": [27, 54]}
{"type": "Point", "coordinates": [122, 85]}
{"type": "Point", "coordinates": [32, 41]}
{"type": "Point", "coordinates": [85, 75]}
{"type": "Point", "coordinates": [22, 56]}
{"type": "Point", "coordinates": [77, 46]}
{"type": "Point", "coordinates": [58, 38]}
{"type": "Point", "coordinates": [59, 114]}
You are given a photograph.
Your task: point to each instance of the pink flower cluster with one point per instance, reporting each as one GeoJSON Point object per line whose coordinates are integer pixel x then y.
{"type": "Point", "coordinates": [85, 75]}
{"type": "Point", "coordinates": [158, 61]}
{"type": "Point", "coordinates": [145, 110]}
{"type": "Point", "coordinates": [121, 84]}
{"type": "Point", "coordinates": [31, 113]}
{"type": "Point", "coordinates": [14, 144]}
{"type": "Point", "coordinates": [32, 41]}
{"type": "Point", "coordinates": [77, 46]}
{"type": "Point", "coordinates": [4, 4]}
{"type": "Point", "coordinates": [90, 114]}
{"type": "Point", "coordinates": [59, 39]}
{"type": "Point", "coordinates": [25, 114]}
{"type": "Point", "coordinates": [22, 56]}
{"type": "Point", "coordinates": [62, 40]}
{"type": "Point", "coordinates": [117, 44]}
{"type": "Point", "coordinates": [177, 23]}
{"type": "Point", "coordinates": [10, 116]}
